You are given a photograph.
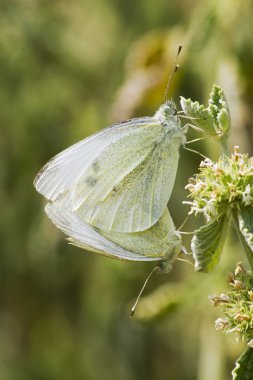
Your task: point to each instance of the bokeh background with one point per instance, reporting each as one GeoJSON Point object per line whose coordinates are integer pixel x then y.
{"type": "Point", "coordinates": [68, 69]}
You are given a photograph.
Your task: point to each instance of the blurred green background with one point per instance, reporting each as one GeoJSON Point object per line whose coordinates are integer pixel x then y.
{"type": "Point", "coordinates": [68, 69]}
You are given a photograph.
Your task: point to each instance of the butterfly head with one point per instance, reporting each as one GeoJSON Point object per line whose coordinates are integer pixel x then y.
{"type": "Point", "coordinates": [167, 112]}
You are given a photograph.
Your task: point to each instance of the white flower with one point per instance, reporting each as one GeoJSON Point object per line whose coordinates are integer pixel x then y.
{"type": "Point", "coordinates": [209, 209]}
{"type": "Point", "coordinates": [224, 297]}
{"type": "Point", "coordinates": [200, 185]}
{"type": "Point", "coordinates": [206, 163]}
{"type": "Point", "coordinates": [194, 208]}
{"type": "Point", "coordinates": [246, 196]}
{"type": "Point", "coordinates": [221, 323]}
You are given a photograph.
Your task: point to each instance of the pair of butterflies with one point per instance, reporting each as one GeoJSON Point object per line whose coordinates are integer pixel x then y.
{"type": "Point", "coordinates": [109, 192]}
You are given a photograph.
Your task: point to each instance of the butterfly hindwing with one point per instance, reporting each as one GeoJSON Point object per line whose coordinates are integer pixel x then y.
{"type": "Point", "coordinates": [160, 240]}
{"type": "Point", "coordinates": [85, 236]}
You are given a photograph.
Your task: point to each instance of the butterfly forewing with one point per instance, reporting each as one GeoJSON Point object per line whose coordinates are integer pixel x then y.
{"type": "Point", "coordinates": [126, 188]}
{"type": "Point", "coordinates": [112, 165]}
{"type": "Point", "coordinates": [62, 172]}
{"type": "Point", "coordinates": [136, 199]}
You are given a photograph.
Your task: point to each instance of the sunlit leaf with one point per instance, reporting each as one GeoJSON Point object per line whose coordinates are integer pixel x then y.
{"type": "Point", "coordinates": [199, 114]}
{"type": "Point", "coordinates": [207, 244]}
{"type": "Point", "coordinates": [218, 108]}
{"type": "Point", "coordinates": [215, 119]}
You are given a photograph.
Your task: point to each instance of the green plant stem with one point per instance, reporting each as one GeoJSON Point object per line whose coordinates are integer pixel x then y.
{"type": "Point", "coordinates": [245, 246]}
{"type": "Point", "coordinates": [224, 145]}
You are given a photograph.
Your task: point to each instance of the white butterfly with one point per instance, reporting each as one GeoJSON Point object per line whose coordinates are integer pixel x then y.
{"type": "Point", "coordinates": [121, 178]}
{"type": "Point", "coordinates": [159, 243]}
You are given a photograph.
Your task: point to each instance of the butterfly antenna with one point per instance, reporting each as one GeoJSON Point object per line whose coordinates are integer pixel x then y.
{"type": "Point", "coordinates": [144, 285]}
{"type": "Point", "coordinates": [182, 225]}
{"type": "Point", "coordinates": [172, 73]}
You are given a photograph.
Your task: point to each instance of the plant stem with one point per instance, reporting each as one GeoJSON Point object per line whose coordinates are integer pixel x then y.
{"type": "Point", "coordinates": [224, 145]}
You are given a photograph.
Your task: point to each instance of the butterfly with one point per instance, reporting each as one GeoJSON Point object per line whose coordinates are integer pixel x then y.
{"type": "Point", "coordinates": [109, 192]}
{"type": "Point", "coordinates": [121, 178]}
{"type": "Point", "coordinates": [159, 243]}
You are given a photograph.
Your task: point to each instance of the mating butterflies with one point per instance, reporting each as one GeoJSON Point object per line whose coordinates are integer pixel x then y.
{"type": "Point", "coordinates": [120, 179]}
{"type": "Point", "coordinates": [109, 192]}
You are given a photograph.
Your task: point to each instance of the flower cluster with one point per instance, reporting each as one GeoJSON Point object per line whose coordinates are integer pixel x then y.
{"type": "Point", "coordinates": [220, 185]}
{"type": "Point", "coordinates": [237, 303]}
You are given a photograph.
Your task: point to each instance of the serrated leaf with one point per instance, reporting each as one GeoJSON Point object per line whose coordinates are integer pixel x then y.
{"type": "Point", "coordinates": [199, 114]}
{"type": "Point", "coordinates": [215, 119]}
{"type": "Point", "coordinates": [207, 244]}
{"type": "Point", "coordinates": [218, 108]}
{"type": "Point", "coordinates": [244, 366]}
{"type": "Point", "coordinates": [245, 223]}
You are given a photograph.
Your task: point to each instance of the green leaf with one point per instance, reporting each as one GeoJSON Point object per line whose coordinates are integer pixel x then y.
{"type": "Point", "coordinates": [215, 119]}
{"type": "Point", "coordinates": [245, 222]}
{"type": "Point", "coordinates": [218, 108]}
{"type": "Point", "coordinates": [207, 244]}
{"type": "Point", "coordinates": [244, 366]}
{"type": "Point", "coordinates": [199, 114]}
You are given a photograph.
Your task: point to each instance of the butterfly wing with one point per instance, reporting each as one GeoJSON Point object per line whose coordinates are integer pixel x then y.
{"type": "Point", "coordinates": [160, 240]}
{"type": "Point", "coordinates": [63, 171]}
{"type": "Point", "coordinates": [85, 236]}
{"type": "Point", "coordinates": [132, 183]}
{"type": "Point", "coordinates": [120, 179]}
